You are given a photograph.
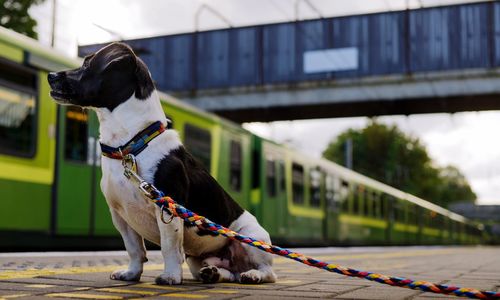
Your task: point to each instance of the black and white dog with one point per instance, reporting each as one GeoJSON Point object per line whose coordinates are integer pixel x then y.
{"type": "Point", "coordinates": [118, 86]}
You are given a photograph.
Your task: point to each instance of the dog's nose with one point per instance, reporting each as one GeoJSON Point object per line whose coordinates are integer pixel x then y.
{"type": "Point", "coordinates": [54, 76]}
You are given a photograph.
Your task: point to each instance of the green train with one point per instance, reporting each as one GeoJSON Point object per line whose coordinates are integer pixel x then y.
{"type": "Point", "coordinates": [49, 174]}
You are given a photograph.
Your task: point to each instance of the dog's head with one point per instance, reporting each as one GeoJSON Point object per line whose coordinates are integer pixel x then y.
{"type": "Point", "coordinates": [106, 79]}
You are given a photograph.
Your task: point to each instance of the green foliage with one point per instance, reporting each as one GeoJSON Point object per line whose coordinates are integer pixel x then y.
{"type": "Point", "coordinates": [14, 15]}
{"type": "Point", "coordinates": [388, 155]}
{"type": "Point", "coordinates": [455, 186]}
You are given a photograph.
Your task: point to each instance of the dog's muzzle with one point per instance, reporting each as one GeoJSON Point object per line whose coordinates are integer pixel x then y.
{"type": "Point", "coordinates": [61, 90]}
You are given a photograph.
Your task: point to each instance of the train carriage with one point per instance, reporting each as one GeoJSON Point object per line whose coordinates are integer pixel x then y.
{"type": "Point", "coordinates": [50, 172]}
{"type": "Point", "coordinates": [27, 134]}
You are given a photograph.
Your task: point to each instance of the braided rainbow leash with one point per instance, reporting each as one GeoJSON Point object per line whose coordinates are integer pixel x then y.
{"type": "Point", "coordinates": [203, 223]}
{"type": "Point", "coordinates": [176, 210]}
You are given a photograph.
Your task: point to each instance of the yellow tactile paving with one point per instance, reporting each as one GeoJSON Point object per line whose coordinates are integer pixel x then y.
{"type": "Point", "coordinates": [83, 296]}
{"type": "Point", "coordinates": [40, 286]}
{"type": "Point", "coordinates": [188, 296]}
{"type": "Point", "coordinates": [126, 291]}
{"type": "Point", "coordinates": [158, 287]}
{"type": "Point", "coordinates": [31, 273]}
{"type": "Point", "coordinates": [289, 281]}
{"type": "Point", "coordinates": [222, 291]}
{"type": "Point", "coordinates": [242, 285]}
{"type": "Point", "coordinates": [15, 296]}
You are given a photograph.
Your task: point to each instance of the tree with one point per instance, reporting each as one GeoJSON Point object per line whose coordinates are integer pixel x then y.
{"type": "Point", "coordinates": [455, 187]}
{"type": "Point", "coordinates": [14, 15]}
{"type": "Point", "coordinates": [388, 155]}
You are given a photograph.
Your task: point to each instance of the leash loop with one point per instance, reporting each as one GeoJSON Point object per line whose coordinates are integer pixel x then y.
{"type": "Point", "coordinates": [162, 210]}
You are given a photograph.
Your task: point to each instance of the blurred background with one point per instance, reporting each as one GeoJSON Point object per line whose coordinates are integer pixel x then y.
{"type": "Point", "coordinates": [461, 139]}
{"type": "Point", "coordinates": [402, 91]}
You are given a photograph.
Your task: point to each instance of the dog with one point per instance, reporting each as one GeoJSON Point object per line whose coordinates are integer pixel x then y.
{"type": "Point", "coordinates": [118, 86]}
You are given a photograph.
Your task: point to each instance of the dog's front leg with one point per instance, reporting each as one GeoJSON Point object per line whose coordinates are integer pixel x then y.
{"type": "Point", "coordinates": [134, 243]}
{"type": "Point", "coordinates": [171, 235]}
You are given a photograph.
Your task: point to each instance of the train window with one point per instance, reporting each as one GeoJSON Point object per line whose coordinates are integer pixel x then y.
{"type": "Point", "coordinates": [235, 167]}
{"type": "Point", "coordinates": [271, 178]}
{"type": "Point", "coordinates": [412, 214]}
{"type": "Point", "coordinates": [427, 218]}
{"type": "Point", "coordinates": [330, 191]}
{"type": "Point", "coordinates": [198, 141]}
{"type": "Point", "coordinates": [344, 190]}
{"type": "Point", "coordinates": [17, 110]}
{"type": "Point", "coordinates": [440, 221]}
{"type": "Point", "coordinates": [383, 206]}
{"type": "Point", "coordinates": [399, 210]}
{"type": "Point", "coordinates": [356, 208]}
{"type": "Point", "coordinates": [432, 219]}
{"type": "Point", "coordinates": [281, 167]}
{"type": "Point", "coordinates": [76, 134]}
{"type": "Point", "coordinates": [395, 209]}
{"type": "Point", "coordinates": [298, 183]}
{"type": "Point", "coordinates": [435, 221]}
{"type": "Point", "coordinates": [256, 169]}
{"type": "Point", "coordinates": [391, 203]}
{"type": "Point", "coordinates": [367, 202]}
{"type": "Point", "coordinates": [315, 187]}
{"type": "Point", "coordinates": [375, 205]}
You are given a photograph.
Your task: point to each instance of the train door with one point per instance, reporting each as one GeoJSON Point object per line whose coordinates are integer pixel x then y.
{"type": "Point", "coordinates": [388, 208]}
{"type": "Point", "coordinates": [75, 187]}
{"type": "Point", "coordinates": [332, 207]}
{"type": "Point", "coordinates": [273, 200]}
{"type": "Point", "coordinates": [234, 166]}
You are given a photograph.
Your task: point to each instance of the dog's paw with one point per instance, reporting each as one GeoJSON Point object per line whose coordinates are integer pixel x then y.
{"type": "Point", "coordinates": [251, 277]}
{"type": "Point", "coordinates": [125, 275]}
{"type": "Point", "coordinates": [168, 279]}
{"type": "Point", "coordinates": [209, 274]}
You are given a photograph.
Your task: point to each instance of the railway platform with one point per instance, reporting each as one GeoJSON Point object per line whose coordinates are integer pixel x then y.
{"type": "Point", "coordinates": [85, 275]}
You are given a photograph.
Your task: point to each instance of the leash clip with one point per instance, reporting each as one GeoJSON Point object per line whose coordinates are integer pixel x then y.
{"type": "Point", "coordinates": [130, 171]}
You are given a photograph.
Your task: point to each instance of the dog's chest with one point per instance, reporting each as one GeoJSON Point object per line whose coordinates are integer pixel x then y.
{"type": "Point", "coordinates": [123, 195]}
{"type": "Point", "coordinates": [125, 198]}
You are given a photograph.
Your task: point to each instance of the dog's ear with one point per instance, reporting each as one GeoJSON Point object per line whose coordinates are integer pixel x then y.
{"type": "Point", "coordinates": [145, 85]}
{"type": "Point", "coordinates": [120, 63]}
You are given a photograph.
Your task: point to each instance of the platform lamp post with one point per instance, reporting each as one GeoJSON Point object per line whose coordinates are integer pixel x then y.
{"type": "Point", "coordinates": [348, 149]}
{"type": "Point", "coordinates": [53, 29]}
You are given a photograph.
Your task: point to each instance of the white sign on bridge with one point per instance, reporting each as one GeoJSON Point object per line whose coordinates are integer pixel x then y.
{"type": "Point", "coordinates": [331, 60]}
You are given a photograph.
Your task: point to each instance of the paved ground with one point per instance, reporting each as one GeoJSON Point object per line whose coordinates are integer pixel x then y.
{"type": "Point", "coordinates": [86, 275]}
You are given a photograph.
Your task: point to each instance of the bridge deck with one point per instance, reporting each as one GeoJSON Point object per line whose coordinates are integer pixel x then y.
{"type": "Point", "coordinates": [85, 275]}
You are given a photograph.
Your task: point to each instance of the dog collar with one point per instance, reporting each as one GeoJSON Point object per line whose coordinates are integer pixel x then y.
{"type": "Point", "coordinates": [137, 144]}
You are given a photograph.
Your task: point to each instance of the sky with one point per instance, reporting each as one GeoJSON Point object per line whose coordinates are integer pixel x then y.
{"type": "Point", "coordinates": [466, 140]}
